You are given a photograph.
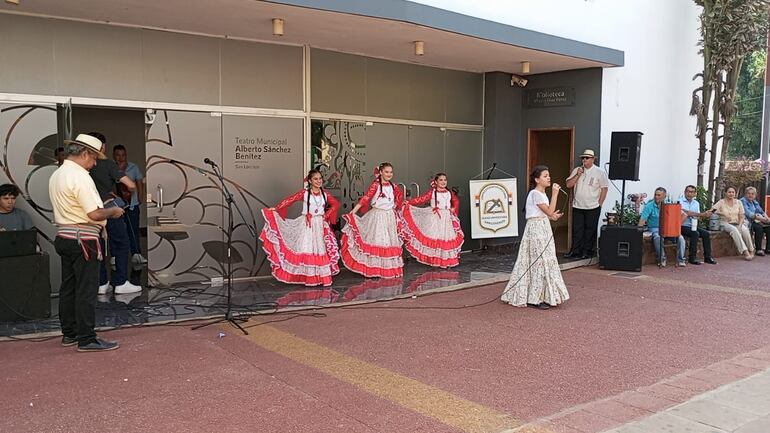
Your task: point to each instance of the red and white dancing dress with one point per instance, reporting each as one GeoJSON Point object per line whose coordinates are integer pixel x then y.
{"type": "Point", "coordinates": [433, 234]}
{"type": "Point", "coordinates": [371, 245]}
{"type": "Point", "coordinates": [302, 250]}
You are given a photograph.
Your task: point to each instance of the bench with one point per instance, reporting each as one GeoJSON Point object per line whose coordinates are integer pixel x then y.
{"type": "Point", "coordinates": [722, 245]}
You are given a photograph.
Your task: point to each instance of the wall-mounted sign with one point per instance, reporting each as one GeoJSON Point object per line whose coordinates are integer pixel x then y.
{"type": "Point", "coordinates": [549, 97]}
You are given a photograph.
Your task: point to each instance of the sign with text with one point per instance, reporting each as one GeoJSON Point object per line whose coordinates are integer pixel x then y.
{"type": "Point", "coordinates": [549, 97]}
{"type": "Point", "coordinates": [493, 213]}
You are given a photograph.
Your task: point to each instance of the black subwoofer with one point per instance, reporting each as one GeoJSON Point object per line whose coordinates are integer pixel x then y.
{"type": "Point", "coordinates": [620, 248]}
{"type": "Point", "coordinates": [25, 289]}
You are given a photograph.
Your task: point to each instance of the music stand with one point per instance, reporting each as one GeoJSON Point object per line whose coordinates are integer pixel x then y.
{"type": "Point", "coordinates": [230, 253]}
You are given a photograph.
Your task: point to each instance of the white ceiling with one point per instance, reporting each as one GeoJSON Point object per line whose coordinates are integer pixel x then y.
{"type": "Point", "coordinates": [251, 19]}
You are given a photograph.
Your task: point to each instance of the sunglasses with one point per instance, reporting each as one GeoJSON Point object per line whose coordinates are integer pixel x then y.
{"type": "Point", "coordinates": [586, 157]}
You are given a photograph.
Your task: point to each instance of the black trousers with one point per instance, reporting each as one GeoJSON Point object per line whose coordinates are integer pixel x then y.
{"type": "Point", "coordinates": [79, 286]}
{"type": "Point", "coordinates": [693, 236]}
{"type": "Point", "coordinates": [760, 232]}
{"type": "Point", "coordinates": [584, 223]}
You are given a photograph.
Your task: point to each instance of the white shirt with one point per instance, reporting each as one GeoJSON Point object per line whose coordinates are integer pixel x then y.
{"type": "Point", "coordinates": [535, 198]}
{"type": "Point", "coordinates": [73, 195]}
{"type": "Point", "coordinates": [589, 187]}
{"type": "Point", "coordinates": [385, 203]}
{"type": "Point", "coordinates": [317, 204]}
{"type": "Point", "coordinates": [444, 200]}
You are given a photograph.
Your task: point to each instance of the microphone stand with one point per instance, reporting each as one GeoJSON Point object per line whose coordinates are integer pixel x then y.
{"type": "Point", "coordinates": [229, 316]}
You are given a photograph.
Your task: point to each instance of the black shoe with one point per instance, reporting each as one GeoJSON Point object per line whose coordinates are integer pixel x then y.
{"type": "Point", "coordinates": [98, 345]}
{"type": "Point", "coordinates": [68, 341]}
{"type": "Point", "coordinates": [767, 251]}
{"type": "Point", "coordinates": [710, 261]}
{"type": "Point", "coordinates": [571, 255]}
{"type": "Point", "coordinates": [695, 262]}
{"type": "Point", "coordinates": [543, 306]}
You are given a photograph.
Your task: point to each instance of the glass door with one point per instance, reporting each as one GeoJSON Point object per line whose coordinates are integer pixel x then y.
{"type": "Point", "coordinates": [185, 230]}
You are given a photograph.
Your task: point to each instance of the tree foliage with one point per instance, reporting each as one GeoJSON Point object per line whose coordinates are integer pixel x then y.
{"type": "Point", "coordinates": [747, 123]}
{"type": "Point", "coordinates": [730, 30]}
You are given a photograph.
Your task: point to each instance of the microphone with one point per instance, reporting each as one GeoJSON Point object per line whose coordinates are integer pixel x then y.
{"type": "Point", "coordinates": [561, 190]}
{"type": "Point", "coordinates": [209, 162]}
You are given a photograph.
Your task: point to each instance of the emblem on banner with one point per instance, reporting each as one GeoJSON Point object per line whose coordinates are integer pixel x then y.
{"type": "Point", "coordinates": [494, 202]}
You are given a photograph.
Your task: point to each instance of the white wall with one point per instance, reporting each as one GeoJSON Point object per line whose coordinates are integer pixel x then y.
{"type": "Point", "coordinates": [651, 93]}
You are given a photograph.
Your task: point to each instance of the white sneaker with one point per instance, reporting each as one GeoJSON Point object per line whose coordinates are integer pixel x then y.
{"type": "Point", "coordinates": [127, 287]}
{"type": "Point", "coordinates": [138, 258]}
{"type": "Point", "coordinates": [103, 288]}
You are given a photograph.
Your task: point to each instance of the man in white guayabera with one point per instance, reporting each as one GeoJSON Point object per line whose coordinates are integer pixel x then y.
{"type": "Point", "coordinates": [590, 185]}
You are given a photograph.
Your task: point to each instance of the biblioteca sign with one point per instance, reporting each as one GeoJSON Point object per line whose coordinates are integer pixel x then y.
{"type": "Point", "coordinates": [550, 97]}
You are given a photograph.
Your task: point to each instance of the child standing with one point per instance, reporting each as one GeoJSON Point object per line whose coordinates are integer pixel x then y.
{"type": "Point", "coordinates": [432, 234]}
{"type": "Point", "coordinates": [370, 244]}
{"type": "Point", "coordinates": [303, 250]}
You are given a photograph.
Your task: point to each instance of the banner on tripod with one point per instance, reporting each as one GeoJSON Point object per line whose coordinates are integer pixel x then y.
{"type": "Point", "coordinates": [493, 211]}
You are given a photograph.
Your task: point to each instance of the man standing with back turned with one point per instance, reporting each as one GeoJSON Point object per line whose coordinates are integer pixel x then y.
{"type": "Point", "coordinates": [80, 217]}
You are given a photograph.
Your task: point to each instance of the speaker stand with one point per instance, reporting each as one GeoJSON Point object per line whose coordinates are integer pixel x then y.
{"type": "Point", "coordinates": [622, 201]}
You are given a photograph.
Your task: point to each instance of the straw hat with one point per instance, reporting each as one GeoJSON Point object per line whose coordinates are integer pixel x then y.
{"type": "Point", "coordinates": [90, 143]}
{"type": "Point", "coordinates": [589, 153]}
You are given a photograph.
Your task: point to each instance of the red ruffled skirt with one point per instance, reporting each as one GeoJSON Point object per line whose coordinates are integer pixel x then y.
{"type": "Point", "coordinates": [371, 245]}
{"type": "Point", "coordinates": [300, 253]}
{"type": "Point", "coordinates": [433, 238]}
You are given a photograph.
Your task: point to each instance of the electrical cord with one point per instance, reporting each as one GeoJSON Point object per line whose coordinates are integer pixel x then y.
{"type": "Point", "coordinates": [249, 309]}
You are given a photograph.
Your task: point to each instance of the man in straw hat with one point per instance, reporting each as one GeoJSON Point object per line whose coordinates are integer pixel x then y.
{"type": "Point", "coordinates": [80, 216]}
{"type": "Point", "coordinates": [590, 185]}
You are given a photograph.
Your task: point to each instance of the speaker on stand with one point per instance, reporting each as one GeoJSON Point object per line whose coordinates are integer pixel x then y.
{"type": "Point", "coordinates": [620, 247]}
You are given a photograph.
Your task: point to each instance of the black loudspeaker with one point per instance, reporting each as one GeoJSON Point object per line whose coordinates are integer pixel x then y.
{"type": "Point", "coordinates": [625, 151]}
{"type": "Point", "coordinates": [25, 290]}
{"type": "Point", "coordinates": [620, 248]}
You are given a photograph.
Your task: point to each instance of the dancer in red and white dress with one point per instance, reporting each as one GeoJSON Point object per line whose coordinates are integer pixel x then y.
{"type": "Point", "coordinates": [303, 250]}
{"type": "Point", "coordinates": [371, 245]}
{"type": "Point", "coordinates": [432, 234]}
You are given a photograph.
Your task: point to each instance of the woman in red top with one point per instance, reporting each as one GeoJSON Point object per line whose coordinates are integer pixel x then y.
{"type": "Point", "coordinates": [432, 234]}
{"type": "Point", "coordinates": [370, 244]}
{"type": "Point", "coordinates": [303, 250]}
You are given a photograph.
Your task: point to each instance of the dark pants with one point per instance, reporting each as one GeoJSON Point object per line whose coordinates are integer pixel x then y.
{"type": "Point", "coordinates": [119, 247]}
{"type": "Point", "coordinates": [760, 232]}
{"type": "Point", "coordinates": [584, 223]}
{"type": "Point", "coordinates": [693, 236]}
{"type": "Point", "coordinates": [77, 295]}
{"type": "Point", "coordinates": [132, 224]}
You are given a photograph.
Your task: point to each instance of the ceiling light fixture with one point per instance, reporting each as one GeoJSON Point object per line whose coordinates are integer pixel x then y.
{"type": "Point", "coordinates": [525, 67]}
{"type": "Point", "coordinates": [277, 26]}
{"type": "Point", "coordinates": [419, 48]}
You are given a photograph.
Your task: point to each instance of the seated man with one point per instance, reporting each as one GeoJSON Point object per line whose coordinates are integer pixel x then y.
{"type": "Point", "coordinates": [12, 218]}
{"type": "Point", "coordinates": [651, 216]}
{"type": "Point", "coordinates": [758, 220]}
{"type": "Point", "coordinates": [691, 209]}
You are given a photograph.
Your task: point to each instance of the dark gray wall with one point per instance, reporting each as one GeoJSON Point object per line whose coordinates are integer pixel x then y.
{"type": "Point", "coordinates": [507, 122]}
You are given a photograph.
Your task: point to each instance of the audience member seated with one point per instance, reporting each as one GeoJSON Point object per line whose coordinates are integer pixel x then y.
{"type": "Point", "coordinates": [732, 221]}
{"type": "Point", "coordinates": [12, 218]}
{"type": "Point", "coordinates": [757, 220]}
{"type": "Point", "coordinates": [690, 229]}
{"type": "Point", "coordinates": [651, 217]}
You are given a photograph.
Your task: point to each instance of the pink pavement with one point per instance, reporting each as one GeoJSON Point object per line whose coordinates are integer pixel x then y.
{"type": "Point", "coordinates": [618, 350]}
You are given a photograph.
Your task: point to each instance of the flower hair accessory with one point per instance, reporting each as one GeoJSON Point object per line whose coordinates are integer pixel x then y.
{"type": "Point", "coordinates": [433, 184]}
